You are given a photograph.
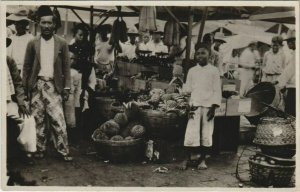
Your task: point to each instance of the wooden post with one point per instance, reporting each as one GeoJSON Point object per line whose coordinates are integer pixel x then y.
{"type": "Point", "coordinates": [66, 24]}
{"type": "Point", "coordinates": [203, 19]}
{"type": "Point", "coordinates": [189, 37]}
{"type": "Point", "coordinates": [279, 28]}
{"type": "Point", "coordinates": [92, 38]}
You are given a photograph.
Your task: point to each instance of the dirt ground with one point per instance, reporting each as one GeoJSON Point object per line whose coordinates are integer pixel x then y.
{"type": "Point", "coordinates": [89, 170]}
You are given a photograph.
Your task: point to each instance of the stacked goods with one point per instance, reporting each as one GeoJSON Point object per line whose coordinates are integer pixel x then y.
{"type": "Point", "coordinates": [276, 138]}
{"type": "Point", "coordinates": [147, 19]}
{"type": "Point", "coordinates": [171, 33]}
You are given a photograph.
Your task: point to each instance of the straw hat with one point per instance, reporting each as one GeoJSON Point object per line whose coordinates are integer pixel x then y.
{"type": "Point", "coordinates": [219, 37]}
{"type": "Point", "coordinates": [20, 14]}
{"type": "Point", "coordinates": [133, 31]}
{"type": "Point", "coordinates": [291, 34]}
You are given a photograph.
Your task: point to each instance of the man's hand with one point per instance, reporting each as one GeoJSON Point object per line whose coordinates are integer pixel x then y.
{"type": "Point", "coordinates": [65, 94]}
{"type": "Point", "coordinates": [211, 112]}
{"type": "Point", "coordinates": [23, 111]}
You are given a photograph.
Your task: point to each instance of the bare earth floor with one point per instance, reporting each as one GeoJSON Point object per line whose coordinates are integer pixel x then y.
{"type": "Point", "coordinates": [88, 170]}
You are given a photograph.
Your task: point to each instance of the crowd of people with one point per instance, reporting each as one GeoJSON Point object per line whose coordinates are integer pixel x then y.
{"type": "Point", "coordinates": [52, 80]}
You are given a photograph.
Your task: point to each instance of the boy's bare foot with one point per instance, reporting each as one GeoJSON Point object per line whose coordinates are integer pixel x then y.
{"type": "Point", "coordinates": [183, 165]}
{"type": "Point", "coordinates": [202, 165]}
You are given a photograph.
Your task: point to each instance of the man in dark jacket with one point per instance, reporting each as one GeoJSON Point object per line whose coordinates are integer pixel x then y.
{"type": "Point", "coordinates": [46, 77]}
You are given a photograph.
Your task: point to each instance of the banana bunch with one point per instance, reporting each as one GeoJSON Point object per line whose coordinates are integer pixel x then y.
{"type": "Point", "coordinates": [147, 19]}
{"type": "Point", "coordinates": [171, 33]}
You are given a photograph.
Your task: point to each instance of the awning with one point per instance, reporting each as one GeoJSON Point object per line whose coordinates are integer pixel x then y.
{"type": "Point", "coordinates": [275, 14]}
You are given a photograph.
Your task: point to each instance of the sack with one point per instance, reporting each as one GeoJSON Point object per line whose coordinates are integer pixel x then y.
{"type": "Point", "coordinates": [27, 137]}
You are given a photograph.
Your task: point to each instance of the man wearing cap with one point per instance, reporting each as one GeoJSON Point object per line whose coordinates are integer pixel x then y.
{"type": "Point", "coordinates": [46, 78]}
{"type": "Point", "coordinates": [21, 38]}
{"type": "Point", "coordinates": [248, 60]}
{"type": "Point", "coordinates": [273, 61]}
{"type": "Point", "coordinates": [129, 47]}
{"type": "Point", "coordinates": [157, 46]}
{"type": "Point", "coordinates": [287, 80]}
{"type": "Point", "coordinates": [216, 55]}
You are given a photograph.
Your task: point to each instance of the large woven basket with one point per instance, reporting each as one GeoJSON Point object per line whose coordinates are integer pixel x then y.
{"type": "Point", "coordinates": [162, 124]}
{"type": "Point", "coordinates": [285, 151]}
{"type": "Point", "coordinates": [275, 132]}
{"type": "Point", "coordinates": [266, 174]}
{"type": "Point", "coordinates": [121, 151]}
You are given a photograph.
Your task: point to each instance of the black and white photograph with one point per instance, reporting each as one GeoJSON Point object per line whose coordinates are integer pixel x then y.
{"type": "Point", "coordinates": [159, 96]}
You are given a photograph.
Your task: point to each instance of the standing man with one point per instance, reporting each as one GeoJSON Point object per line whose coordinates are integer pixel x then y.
{"type": "Point", "coordinates": [157, 45]}
{"type": "Point", "coordinates": [129, 47]}
{"type": "Point", "coordinates": [20, 40]}
{"type": "Point", "coordinates": [46, 77]}
{"type": "Point", "coordinates": [287, 80]}
{"type": "Point", "coordinates": [216, 55]}
{"type": "Point", "coordinates": [204, 84]}
{"type": "Point", "coordinates": [248, 60]}
{"type": "Point", "coordinates": [274, 61]}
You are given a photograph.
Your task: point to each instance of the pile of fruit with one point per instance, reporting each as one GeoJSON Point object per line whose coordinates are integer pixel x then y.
{"type": "Point", "coordinates": [262, 160]}
{"type": "Point", "coordinates": [119, 128]}
{"type": "Point", "coordinates": [159, 100]}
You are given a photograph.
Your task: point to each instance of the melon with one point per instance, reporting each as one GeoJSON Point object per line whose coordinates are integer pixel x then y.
{"type": "Point", "coordinates": [99, 135]}
{"type": "Point", "coordinates": [155, 98]}
{"type": "Point", "coordinates": [110, 128]}
{"type": "Point", "coordinates": [126, 131]}
{"type": "Point", "coordinates": [159, 92]}
{"type": "Point", "coordinates": [137, 131]}
{"type": "Point", "coordinates": [121, 119]}
{"type": "Point", "coordinates": [117, 138]}
{"type": "Point", "coordinates": [171, 104]}
{"type": "Point", "coordinates": [166, 97]}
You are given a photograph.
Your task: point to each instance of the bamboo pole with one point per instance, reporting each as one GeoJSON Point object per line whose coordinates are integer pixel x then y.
{"type": "Point", "coordinates": [66, 24]}
{"type": "Point", "coordinates": [189, 37]}
{"type": "Point", "coordinates": [203, 19]}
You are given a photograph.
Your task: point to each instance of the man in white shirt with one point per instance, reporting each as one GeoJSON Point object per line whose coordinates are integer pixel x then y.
{"type": "Point", "coordinates": [20, 39]}
{"type": "Point", "coordinates": [47, 81]}
{"type": "Point", "coordinates": [216, 54]}
{"type": "Point", "coordinates": [145, 45]}
{"type": "Point", "coordinates": [157, 45]}
{"type": "Point", "coordinates": [204, 84]}
{"type": "Point", "coordinates": [287, 80]}
{"type": "Point", "coordinates": [129, 47]}
{"type": "Point", "coordinates": [274, 61]}
{"type": "Point", "coordinates": [248, 60]}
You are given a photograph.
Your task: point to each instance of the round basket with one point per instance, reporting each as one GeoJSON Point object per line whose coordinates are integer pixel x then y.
{"type": "Point", "coordinates": [275, 132]}
{"type": "Point", "coordinates": [163, 125]}
{"type": "Point", "coordinates": [266, 174]}
{"type": "Point", "coordinates": [286, 151]}
{"type": "Point", "coordinates": [121, 151]}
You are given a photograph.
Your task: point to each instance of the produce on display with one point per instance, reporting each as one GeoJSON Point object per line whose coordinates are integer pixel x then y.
{"type": "Point", "coordinates": [171, 33]}
{"type": "Point", "coordinates": [117, 138]}
{"type": "Point", "coordinates": [137, 131]}
{"type": "Point", "coordinates": [119, 33]}
{"type": "Point", "coordinates": [121, 119]}
{"type": "Point", "coordinates": [110, 128]}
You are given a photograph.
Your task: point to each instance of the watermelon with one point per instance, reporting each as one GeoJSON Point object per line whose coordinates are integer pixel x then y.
{"type": "Point", "coordinates": [99, 135]}
{"type": "Point", "coordinates": [110, 128]}
{"type": "Point", "coordinates": [137, 131]}
{"type": "Point", "coordinates": [126, 131]}
{"type": "Point", "coordinates": [166, 97]}
{"type": "Point", "coordinates": [117, 138]}
{"type": "Point", "coordinates": [171, 104]}
{"type": "Point", "coordinates": [121, 119]}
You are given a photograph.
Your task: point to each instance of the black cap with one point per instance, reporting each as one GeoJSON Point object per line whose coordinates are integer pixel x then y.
{"type": "Point", "coordinates": [202, 45]}
{"type": "Point", "coordinates": [44, 10]}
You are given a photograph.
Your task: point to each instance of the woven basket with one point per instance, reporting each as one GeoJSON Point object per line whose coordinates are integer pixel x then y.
{"type": "Point", "coordinates": [266, 174]}
{"type": "Point", "coordinates": [275, 132]}
{"type": "Point", "coordinates": [121, 151]}
{"type": "Point", "coordinates": [163, 125]}
{"type": "Point", "coordinates": [286, 151]}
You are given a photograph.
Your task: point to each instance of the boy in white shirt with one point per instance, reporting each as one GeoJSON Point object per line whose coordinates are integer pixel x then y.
{"type": "Point", "coordinates": [204, 84]}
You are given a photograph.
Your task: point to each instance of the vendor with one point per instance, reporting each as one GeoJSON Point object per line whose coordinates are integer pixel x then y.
{"type": "Point", "coordinates": [104, 52]}
{"type": "Point", "coordinates": [157, 46]}
{"type": "Point", "coordinates": [216, 55]}
{"type": "Point", "coordinates": [129, 47]}
{"type": "Point", "coordinates": [287, 80]}
{"type": "Point", "coordinates": [248, 60]}
{"type": "Point", "coordinates": [204, 84]}
{"type": "Point", "coordinates": [145, 44]}
{"type": "Point", "coordinates": [274, 61]}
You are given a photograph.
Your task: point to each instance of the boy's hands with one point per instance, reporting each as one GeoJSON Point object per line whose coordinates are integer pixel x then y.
{"type": "Point", "coordinates": [211, 112]}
